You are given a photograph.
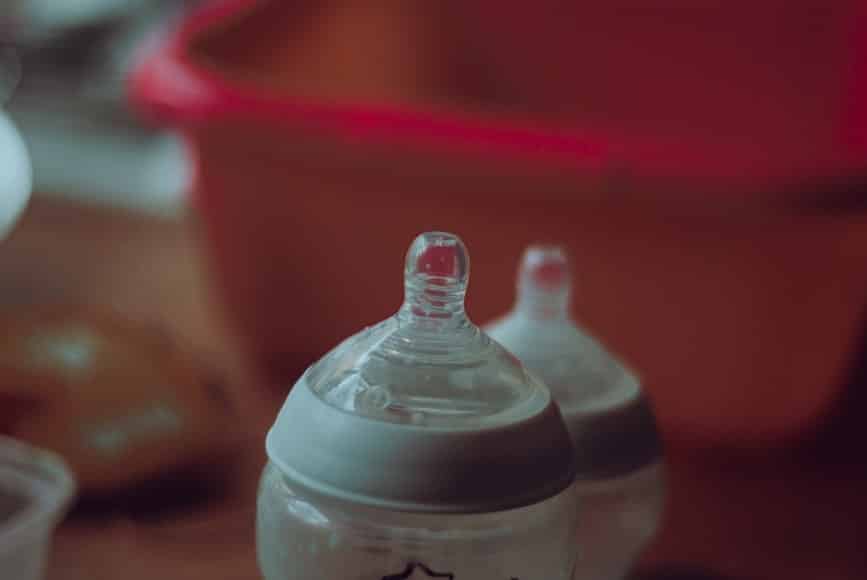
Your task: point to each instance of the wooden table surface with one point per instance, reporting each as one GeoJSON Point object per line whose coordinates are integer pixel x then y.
{"type": "Point", "coordinates": [772, 515]}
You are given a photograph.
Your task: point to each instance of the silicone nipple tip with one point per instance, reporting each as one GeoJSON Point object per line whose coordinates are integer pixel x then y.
{"type": "Point", "coordinates": [438, 258]}
{"type": "Point", "coordinates": [546, 267]}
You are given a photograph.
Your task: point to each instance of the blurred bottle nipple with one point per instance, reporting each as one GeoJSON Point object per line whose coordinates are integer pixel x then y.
{"type": "Point", "coordinates": [436, 275]}
{"type": "Point", "coordinates": [544, 283]}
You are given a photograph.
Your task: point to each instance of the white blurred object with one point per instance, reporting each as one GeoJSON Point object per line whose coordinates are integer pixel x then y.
{"type": "Point", "coordinates": [36, 489]}
{"type": "Point", "coordinates": [95, 161]}
{"type": "Point", "coordinates": [15, 175]}
{"type": "Point", "coordinates": [71, 107]}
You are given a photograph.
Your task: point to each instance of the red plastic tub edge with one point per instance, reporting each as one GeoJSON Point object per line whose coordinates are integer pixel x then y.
{"type": "Point", "coordinates": [167, 85]}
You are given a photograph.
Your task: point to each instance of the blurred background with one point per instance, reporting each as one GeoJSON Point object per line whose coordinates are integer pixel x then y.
{"type": "Point", "coordinates": [71, 60]}
{"type": "Point", "coordinates": [207, 176]}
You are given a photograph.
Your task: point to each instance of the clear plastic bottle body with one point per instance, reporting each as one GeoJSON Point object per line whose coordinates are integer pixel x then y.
{"type": "Point", "coordinates": [620, 513]}
{"type": "Point", "coordinates": [619, 516]}
{"type": "Point", "coordinates": [305, 537]}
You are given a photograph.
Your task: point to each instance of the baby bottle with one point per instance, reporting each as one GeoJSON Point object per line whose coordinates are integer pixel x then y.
{"type": "Point", "coordinates": [618, 451]}
{"type": "Point", "coordinates": [419, 448]}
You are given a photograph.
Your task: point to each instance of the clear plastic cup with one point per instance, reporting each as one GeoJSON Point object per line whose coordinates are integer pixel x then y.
{"type": "Point", "coordinates": [35, 492]}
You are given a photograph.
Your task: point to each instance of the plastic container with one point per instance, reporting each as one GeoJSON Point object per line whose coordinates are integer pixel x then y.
{"type": "Point", "coordinates": [35, 491]}
{"type": "Point", "coordinates": [618, 448]}
{"type": "Point", "coordinates": [703, 248]}
{"type": "Point", "coordinates": [419, 448]}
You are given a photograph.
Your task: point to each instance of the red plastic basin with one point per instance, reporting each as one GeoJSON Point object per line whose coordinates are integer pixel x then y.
{"type": "Point", "coordinates": [686, 157]}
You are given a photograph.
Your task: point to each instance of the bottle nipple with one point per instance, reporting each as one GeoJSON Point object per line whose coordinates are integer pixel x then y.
{"type": "Point", "coordinates": [544, 282]}
{"type": "Point", "coordinates": [436, 276]}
